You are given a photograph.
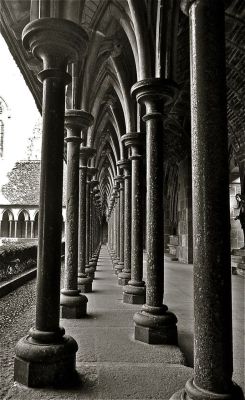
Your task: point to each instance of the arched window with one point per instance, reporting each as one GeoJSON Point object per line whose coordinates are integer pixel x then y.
{"type": "Point", "coordinates": [1, 136]}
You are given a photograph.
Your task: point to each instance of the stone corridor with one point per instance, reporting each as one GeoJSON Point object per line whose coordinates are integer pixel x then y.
{"type": "Point", "coordinates": [110, 363]}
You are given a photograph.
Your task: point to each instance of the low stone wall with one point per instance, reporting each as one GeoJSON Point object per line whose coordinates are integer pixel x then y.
{"type": "Point", "coordinates": [16, 258]}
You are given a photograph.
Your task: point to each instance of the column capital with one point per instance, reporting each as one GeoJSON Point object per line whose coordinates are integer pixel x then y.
{"type": "Point", "coordinates": [54, 40]}
{"type": "Point", "coordinates": [85, 154]}
{"type": "Point", "coordinates": [91, 171]}
{"type": "Point", "coordinates": [154, 89]}
{"type": "Point", "coordinates": [78, 119]}
{"type": "Point", "coordinates": [123, 164]}
{"type": "Point", "coordinates": [94, 182]}
{"type": "Point", "coordinates": [185, 6]}
{"type": "Point", "coordinates": [132, 139]}
{"type": "Point", "coordinates": [118, 178]}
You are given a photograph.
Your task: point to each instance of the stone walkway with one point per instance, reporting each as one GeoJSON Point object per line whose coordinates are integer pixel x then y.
{"type": "Point", "coordinates": [110, 364]}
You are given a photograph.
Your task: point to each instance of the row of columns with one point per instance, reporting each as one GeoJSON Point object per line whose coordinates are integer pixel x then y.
{"type": "Point", "coordinates": [13, 225]}
{"type": "Point", "coordinates": [47, 355]}
{"type": "Point", "coordinates": [212, 270]}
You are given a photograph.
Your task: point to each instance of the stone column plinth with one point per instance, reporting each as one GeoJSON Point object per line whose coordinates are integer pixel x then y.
{"type": "Point", "coordinates": [134, 291]}
{"type": "Point", "coordinates": [73, 304]}
{"type": "Point", "coordinates": [211, 220]}
{"type": "Point", "coordinates": [84, 281]}
{"type": "Point", "coordinates": [46, 357]}
{"type": "Point", "coordinates": [154, 323]}
{"type": "Point", "coordinates": [125, 275]}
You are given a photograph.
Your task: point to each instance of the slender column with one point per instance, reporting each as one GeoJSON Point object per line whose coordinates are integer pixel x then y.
{"type": "Point", "coordinates": [10, 228]}
{"type": "Point", "coordinates": [89, 269]}
{"type": "Point", "coordinates": [15, 228]}
{"type": "Point", "coordinates": [154, 324]}
{"type": "Point", "coordinates": [116, 259]}
{"type": "Point", "coordinates": [73, 304]}
{"type": "Point", "coordinates": [32, 229]}
{"type": "Point", "coordinates": [84, 281]}
{"type": "Point", "coordinates": [119, 267]}
{"type": "Point", "coordinates": [125, 275]}
{"type": "Point", "coordinates": [46, 357]}
{"type": "Point", "coordinates": [93, 257]}
{"type": "Point", "coordinates": [134, 292]}
{"type": "Point", "coordinates": [211, 225]}
{"type": "Point", "coordinates": [26, 228]}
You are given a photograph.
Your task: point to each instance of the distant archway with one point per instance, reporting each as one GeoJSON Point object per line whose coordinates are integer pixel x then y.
{"type": "Point", "coordinates": [22, 225]}
{"type": "Point", "coordinates": [6, 224]}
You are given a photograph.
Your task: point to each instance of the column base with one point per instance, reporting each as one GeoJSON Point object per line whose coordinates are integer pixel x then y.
{"type": "Point", "coordinates": [89, 270]}
{"type": "Point", "coordinates": [72, 306]}
{"type": "Point", "coordinates": [193, 392]}
{"type": "Point", "coordinates": [115, 261]}
{"type": "Point", "coordinates": [93, 264]}
{"type": "Point", "coordinates": [85, 284]}
{"type": "Point", "coordinates": [119, 267]}
{"type": "Point", "coordinates": [124, 278]}
{"type": "Point", "coordinates": [41, 365]}
{"type": "Point", "coordinates": [134, 294]}
{"type": "Point", "coordinates": [156, 327]}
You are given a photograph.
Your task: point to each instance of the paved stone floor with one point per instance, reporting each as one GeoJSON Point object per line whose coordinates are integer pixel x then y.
{"type": "Point", "coordinates": [110, 364]}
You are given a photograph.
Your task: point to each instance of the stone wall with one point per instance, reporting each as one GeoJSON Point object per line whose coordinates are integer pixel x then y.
{"type": "Point", "coordinates": [236, 231]}
{"type": "Point", "coordinates": [185, 249]}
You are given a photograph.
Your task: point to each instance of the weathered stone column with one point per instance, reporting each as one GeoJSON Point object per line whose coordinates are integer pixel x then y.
{"type": "Point", "coordinates": [73, 304]}
{"type": "Point", "coordinates": [120, 265]}
{"type": "Point", "coordinates": [10, 228]}
{"type": "Point", "coordinates": [15, 228]}
{"type": "Point", "coordinates": [154, 324]}
{"type": "Point", "coordinates": [134, 292]}
{"type": "Point", "coordinates": [46, 357]}
{"type": "Point", "coordinates": [116, 259]}
{"type": "Point", "coordinates": [92, 258]}
{"type": "Point", "coordinates": [32, 229]}
{"type": "Point", "coordinates": [89, 269]}
{"type": "Point", "coordinates": [84, 281]}
{"type": "Point", "coordinates": [125, 275]}
{"type": "Point", "coordinates": [211, 223]}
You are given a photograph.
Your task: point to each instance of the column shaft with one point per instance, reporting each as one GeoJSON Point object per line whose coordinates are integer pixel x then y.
{"type": "Point", "coordinates": [211, 220]}
{"type": "Point", "coordinates": [72, 204]}
{"type": "Point", "coordinates": [82, 221]}
{"type": "Point", "coordinates": [50, 218]}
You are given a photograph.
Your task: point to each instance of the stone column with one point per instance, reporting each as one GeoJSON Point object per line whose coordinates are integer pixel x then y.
{"type": "Point", "coordinates": [93, 256]}
{"type": "Point", "coordinates": [15, 228]}
{"type": "Point", "coordinates": [116, 259]}
{"type": "Point", "coordinates": [154, 324]}
{"type": "Point", "coordinates": [46, 357]}
{"type": "Point", "coordinates": [211, 225]}
{"type": "Point", "coordinates": [89, 269]}
{"type": "Point", "coordinates": [26, 229]}
{"type": "Point", "coordinates": [125, 275]}
{"type": "Point", "coordinates": [73, 304]}
{"type": "Point", "coordinates": [120, 265]}
{"type": "Point", "coordinates": [10, 228]}
{"type": "Point", "coordinates": [32, 229]}
{"type": "Point", "coordinates": [84, 281]}
{"type": "Point", "coordinates": [134, 292]}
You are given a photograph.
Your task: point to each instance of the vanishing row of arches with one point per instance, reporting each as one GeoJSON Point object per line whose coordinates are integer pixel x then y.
{"type": "Point", "coordinates": [22, 227]}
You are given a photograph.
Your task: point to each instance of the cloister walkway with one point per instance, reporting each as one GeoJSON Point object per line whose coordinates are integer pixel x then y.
{"type": "Point", "coordinates": [111, 364]}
